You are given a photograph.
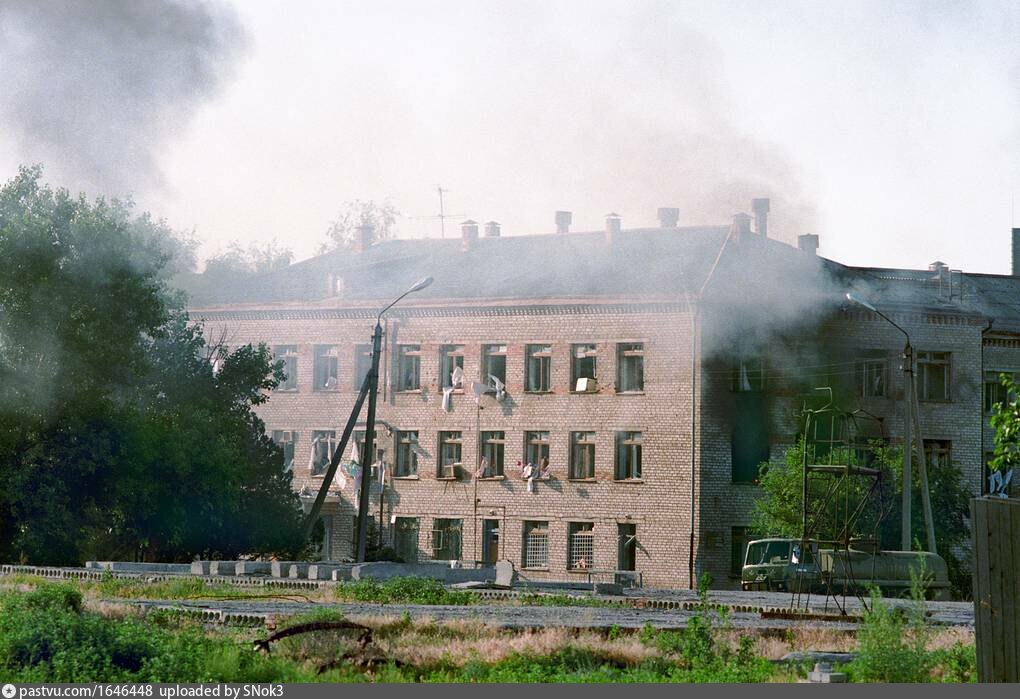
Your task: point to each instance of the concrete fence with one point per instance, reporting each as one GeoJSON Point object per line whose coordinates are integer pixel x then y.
{"type": "Point", "coordinates": [995, 527]}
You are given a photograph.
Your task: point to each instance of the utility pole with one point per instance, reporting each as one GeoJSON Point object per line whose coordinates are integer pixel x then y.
{"type": "Point", "coordinates": [908, 444]}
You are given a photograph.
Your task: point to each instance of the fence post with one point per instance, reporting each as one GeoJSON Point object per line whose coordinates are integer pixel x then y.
{"type": "Point", "coordinates": [995, 527]}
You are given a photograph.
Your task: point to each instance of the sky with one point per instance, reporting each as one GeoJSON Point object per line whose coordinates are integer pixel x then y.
{"type": "Point", "coordinates": [891, 129]}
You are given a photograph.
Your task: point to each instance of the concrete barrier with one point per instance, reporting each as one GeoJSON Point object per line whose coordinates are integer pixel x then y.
{"type": "Point", "coordinates": [324, 571]}
{"type": "Point", "coordinates": [298, 571]}
{"type": "Point", "coordinates": [138, 567]}
{"type": "Point", "coordinates": [253, 568]}
{"type": "Point", "coordinates": [200, 567]}
{"type": "Point", "coordinates": [223, 568]}
{"type": "Point", "coordinates": [281, 569]}
{"type": "Point", "coordinates": [384, 570]}
{"type": "Point", "coordinates": [343, 573]}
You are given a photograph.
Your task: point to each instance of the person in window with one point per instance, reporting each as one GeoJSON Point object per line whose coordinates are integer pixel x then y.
{"type": "Point", "coordinates": [543, 469]}
{"type": "Point", "coordinates": [483, 468]}
{"type": "Point", "coordinates": [530, 471]}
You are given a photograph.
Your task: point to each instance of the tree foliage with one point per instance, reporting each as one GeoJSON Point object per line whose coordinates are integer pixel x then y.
{"type": "Point", "coordinates": [1006, 422]}
{"type": "Point", "coordinates": [381, 217]}
{"type": "Point", "coordinates": [117, 438]}
{"type": "Point", "coordinates": [237, 260]}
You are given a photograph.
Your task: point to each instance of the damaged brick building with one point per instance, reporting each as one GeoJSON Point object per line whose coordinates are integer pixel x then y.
{"type": "Point", "coordinates": [648, 370]}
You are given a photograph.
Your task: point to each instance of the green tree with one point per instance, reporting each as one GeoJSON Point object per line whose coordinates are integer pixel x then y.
{"type": "Point", "coordinates": [1006, 422]}
{"type": "Point", "coordinates": [340, 234]}
{"type": "Point", "coordinates": [116, 435]}
{"type": "Point", "coordinates": [237, 260]}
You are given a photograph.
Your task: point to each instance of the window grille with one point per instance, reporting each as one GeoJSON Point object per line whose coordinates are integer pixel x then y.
{"type": "Point", "coordinates": [581, 545]}
{"type": "Point", "coordinates": [536, 545]}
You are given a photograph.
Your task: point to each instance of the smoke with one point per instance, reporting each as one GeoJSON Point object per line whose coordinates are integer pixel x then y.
{"type": "Point", "coordinates": [96, 90]}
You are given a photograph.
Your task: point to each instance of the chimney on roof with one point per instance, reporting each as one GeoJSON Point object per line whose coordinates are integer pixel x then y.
{"type": "Point", "coordinates": [1016, 252]}
{"type": "Point", "coordinates": [612, 227]}
{"type": "Point", "coordinates": [563, 220]}
{"type": "Point", "coordinates": [491, 229]}
{"type": "Point", "coordinates": [808, 243]}
{"type": "Point", "coordinates": [741, 227]}
{"type": "Point", "coordinates": [363, 236]}
{"type": "Point", "coordinates": [468, 234]}
{"type": "Point", "coordinates": [760, 207]}
{"type": "Point", "coordinates": [668, 218]}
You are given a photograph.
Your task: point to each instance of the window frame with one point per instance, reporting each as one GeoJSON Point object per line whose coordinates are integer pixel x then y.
{"type": "Point", "coordinates": [539, 444]}
{"type": "Point", "coordinates": [362, 364]}
{"type": "Point", "coordinates": [407, 358]}
{"type": "Point", "coordinates": [865, 365]}
{"type": "Point", "coordinates": [450, 357]}
{"type": "Point", "coordinates": [332, 357]}
{"type": "Point", "coordinates": [287, 445]}
{"type": "Point", "coordinates": [444, 438]}
{"type": "Point", "coordinates": [544, 357]}
{"type": "Point", "coordinates": [588, 442]}
{"type": "Point", "coordinates": [405, 452]}
{"type": "Point", "coordinates": [756, 373]}
{"type": "Point", "coordinates": [490, 444]}
{"type": "Point", "coordinates": [319, 434]}
{"type": "Point", "coordinates": [488, 354]}
{"type": "Point", "coordinates": [289, 355]}
{"type": "Point", "coordinates": [591, 353]}
{"type": "Point", "coordinates": [580, 530]}
{"type": "Point", "coordinates": [539, 529]}
{"type": "Point", "coordinates": [452, 525]}
{"type": "Point", "coordinates": [624, 439]}
{"type": "Point", "coordinates": [926, 359]}
{"type": "Point", "coordinates": [626, 354]}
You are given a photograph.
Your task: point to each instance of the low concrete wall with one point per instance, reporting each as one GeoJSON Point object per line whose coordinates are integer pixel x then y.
{"type": "Point", "coordinates": [133, 567]}
{"type": "Point", "coordinates": [298, 570]}
{"type": "Point", "coordinates": [253, 568]}
{"type": "Point", "coordinates": [439, 571]}
{"type": "Point", "coordinates": [223, 568]}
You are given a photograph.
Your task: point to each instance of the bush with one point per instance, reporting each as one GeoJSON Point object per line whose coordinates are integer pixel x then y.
{"type": "Point", "coordinates": [404, 590]}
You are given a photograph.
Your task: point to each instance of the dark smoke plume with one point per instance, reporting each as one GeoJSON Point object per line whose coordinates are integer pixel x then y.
{"type": "Point", "coordinates": [96, 88]}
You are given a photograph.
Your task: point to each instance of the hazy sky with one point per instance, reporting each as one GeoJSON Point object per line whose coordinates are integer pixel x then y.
{"type": "Point", "coordinates": [892, 129]}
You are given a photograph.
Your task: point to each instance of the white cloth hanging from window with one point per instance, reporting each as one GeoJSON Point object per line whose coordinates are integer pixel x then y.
{"type": "Point", "coordinates": [447, 392]}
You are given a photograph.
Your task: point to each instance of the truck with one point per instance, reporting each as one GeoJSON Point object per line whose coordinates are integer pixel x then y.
{"type": "Point", "coordinates": [792, 565]}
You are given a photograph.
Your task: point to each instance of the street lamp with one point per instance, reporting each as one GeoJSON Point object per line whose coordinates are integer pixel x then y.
{"type": "Point", "coordinates": [911, 421]}
{"type": "Point", "coordinates": [369, 388]}
{"type": "Point", "coordinates": [368, 455]}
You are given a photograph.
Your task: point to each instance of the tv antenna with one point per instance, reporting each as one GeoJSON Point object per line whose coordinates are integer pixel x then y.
{"type": "Point", "coordinates": [442, 216]}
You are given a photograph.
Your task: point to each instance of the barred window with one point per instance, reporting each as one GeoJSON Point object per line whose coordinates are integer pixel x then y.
{"type": "Point", "coordinates": [289, 356]}
{"type": "Point", "coordinates": [580, 545]}
{"type": "Point", "coordinates": [449, 454]}
{"type": "Point", "coordinates": [408, 367]}
{"type": "Point", "coordinates": [582, 455]}
{"type": "Point", "coordinates": [446, 539]}
{"type": "Point", "coordinates": [535, 553]}
{"type": "Point", "coordinates": [628, 456]}
{"type": "Point", "coordinates": [286, 439]}
{"type": "Point", "coordinates": [630, 367]}
{"type": "Point", "coordinates": [538, 372]}
{"type": "Point", "coordinates": [407, 456]}
{"type": "Point", "coordinates": [325, 368]}
{"type": "Point", "coordinates": [493, 444]}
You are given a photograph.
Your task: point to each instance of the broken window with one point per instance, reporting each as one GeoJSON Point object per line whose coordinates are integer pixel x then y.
{"type": "Point", "coordinates": [582, 368]}
{"type": "Point", "coordinates": [494, 363]}
{"type": "Point", "coordinates": [626, 557]}
{"type": "Point", "coordinates": [288, 355]}
{"type": "Point", "coordinates": [749, 438]}
{"type": "Point", "coordinates": [286, 439]}
{"type": "Point", "coordinates": [536, 448]}
{"type": "Point", "coordinates": [995, 392]}
{"type": "Point", "coordinates": [630, 367]}
{"type": "Point", "coordinates": [405, 538]}
{"type": "Point", "coordinates": [748, 375]}
{"type": "Point", "coordinates": [535, 549]}
{"type": "Point", "coordinates": [325, 368]}
{"type": "Point", "coordinates": [323, 444]}
{"type": "Point", "coordinates": [582, 455]}
{"type": "Point", "coordinates": [580, 545]}
{"type": "Point", "coordinates": [871, 373]}
{"type": "Point", "coordinates": [359, 445]}
{"type": "Point", "coordinates": [449, 454]}
{"type": "Point", "coordinates": [408, 367]}
{"type": "Point", "coordinates": [362, 364]}
{"type": "Point", "coordinates": [407, 455]}
{"type": "Point", "coordinates": [493, 444]}
{"type": "Point", "coordinates": [938, 453]}
{"type": "Point", "coordinates": [451, 359]}
{"type": "Point", "coordinates": [538, 377]}
{"type": "Point", "coordinates": [933, 372]}
{"type": "Point", "coordinates": [628, 456]}
{"type": "Point", "coordinates": [446, 539]}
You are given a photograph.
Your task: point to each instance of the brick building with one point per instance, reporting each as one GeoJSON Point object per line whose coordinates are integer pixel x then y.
{"type": "Point", "coordinates": [652, 368]}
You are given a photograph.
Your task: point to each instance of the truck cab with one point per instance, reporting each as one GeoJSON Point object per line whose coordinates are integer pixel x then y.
{"type": "Point", "coordinates": [779, 564]}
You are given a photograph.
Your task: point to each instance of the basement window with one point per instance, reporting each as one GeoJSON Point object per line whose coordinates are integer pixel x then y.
{"type": "Point", "coordinates": [362, 364]}
{"type": "Point", "coordinates": [493, 446]}
{"type": "Point", "coordinates": [538, 359]}
{"type": "Point", "coordinates": [582, 455]}
{"type": "Point", "coordinates": [871, 372]}
{"type": "Point", "coordinates": [286, 439]}
{"type": "Point", "coordinates": [450, 444]}
{"type": "Point", "coordinates": [451, 357]}
{"type": "Point", "coordinates": [628, 456]}
{"type": "Point", "coordinates": [583, 368]}
{"type": "Point", "coordinates": [494, 363]}
{"type": "Point", "coordinates": [325, 368]}
{"type": "Point", "coordinates": [407, 455]}
{"type": "Point", "coordinates": [580, 545]}
{"type": "Point", "coordinates": [535, 548]}
{"type": "Point", "coordinates": [630, 367]}
{"type": "Point", "coordinates": [409, 367]}
{"type": "Point", "coordinates": [289, 356]}
{"type": "Point", "coordinates": [933, 374]}
{"type": "Point", "coordinates": [446, 539]}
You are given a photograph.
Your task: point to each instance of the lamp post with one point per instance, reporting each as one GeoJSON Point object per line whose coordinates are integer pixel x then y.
{"type": "Point", "coordinates": [911, 421]}
{"type": "Point", "coordinates": [368, 455]}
